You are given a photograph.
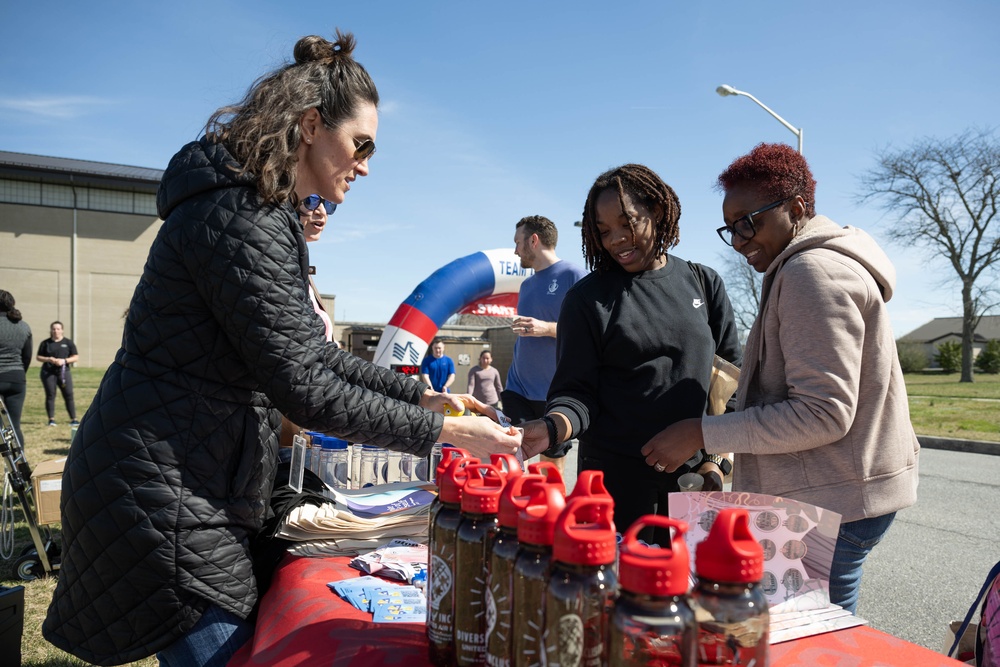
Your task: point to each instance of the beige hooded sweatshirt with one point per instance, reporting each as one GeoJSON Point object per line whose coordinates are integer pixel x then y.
{"type": "Point", "coordinates": [822, 413]}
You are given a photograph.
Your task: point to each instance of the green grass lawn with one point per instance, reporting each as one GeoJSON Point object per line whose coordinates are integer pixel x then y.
{"type": "Point", "coordinates": [939, 405]}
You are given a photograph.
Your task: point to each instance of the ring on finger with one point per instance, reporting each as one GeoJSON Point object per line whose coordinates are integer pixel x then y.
{"type": "Point", "coordinates": [659, 467]}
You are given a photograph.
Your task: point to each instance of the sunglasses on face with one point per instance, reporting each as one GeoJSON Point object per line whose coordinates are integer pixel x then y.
{"type": "Point", "coordinates": [744, 227]}
{"type": "Point", "coordinates": [312, 202]}
{"type": "Point", "coordinates": [363, 149]}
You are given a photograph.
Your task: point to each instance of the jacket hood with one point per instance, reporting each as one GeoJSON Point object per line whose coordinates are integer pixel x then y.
{"type": "Point", "coordinates": [197, 168]}
{"type": "Point", "coordinates": [821, 232]}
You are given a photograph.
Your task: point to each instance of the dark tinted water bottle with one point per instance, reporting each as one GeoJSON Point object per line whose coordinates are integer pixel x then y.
{"type": "Point", "coordinates": [582, 584]}
{"type": "Point", "coordinates": [500, 593]}
{"type": "Point", "coordinates": [480, 503]}
{"type": "Point", "coordinates": [535, 531]}
{"type": "Point", "coordinates": [441, 565]}
{"type": "Point", "coordinates": [652, 622]}
{"type": "Point", "coordinates": [729, 602]}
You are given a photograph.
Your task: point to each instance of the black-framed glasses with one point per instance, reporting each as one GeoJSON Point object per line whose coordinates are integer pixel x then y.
{"type": "Point", "coordinates": [312, 202]}
{"type": "Point", "coordinates": [744, 227]}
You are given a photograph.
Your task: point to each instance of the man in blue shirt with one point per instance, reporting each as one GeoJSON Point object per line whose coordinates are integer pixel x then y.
{"type": "Point", "coordinates": [437, 370]}
{"type": "Point", "coordinates": [538, 305]}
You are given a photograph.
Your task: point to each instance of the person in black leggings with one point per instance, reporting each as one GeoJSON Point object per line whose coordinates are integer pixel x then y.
{"type": "Point", "coordinates": [56, 354]}
{"type": "Point", "coordinates": [15, 357]}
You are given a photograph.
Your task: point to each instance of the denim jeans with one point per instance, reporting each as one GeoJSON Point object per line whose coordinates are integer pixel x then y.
{"type": "Point", "coordinates": [854, 542]}
{"type": "Point", "coordinates": [210, 643]}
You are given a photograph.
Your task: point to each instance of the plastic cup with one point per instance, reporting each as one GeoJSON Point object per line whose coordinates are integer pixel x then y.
{"type": "Point", "coordinates": [691, 481]}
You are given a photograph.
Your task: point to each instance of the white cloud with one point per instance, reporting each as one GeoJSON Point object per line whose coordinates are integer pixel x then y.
{"type": "Point", "coordinates": [52, 107]}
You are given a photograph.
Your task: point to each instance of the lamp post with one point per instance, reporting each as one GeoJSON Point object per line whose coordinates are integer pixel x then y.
{"type": "Point", "coordinates": [726, 90]}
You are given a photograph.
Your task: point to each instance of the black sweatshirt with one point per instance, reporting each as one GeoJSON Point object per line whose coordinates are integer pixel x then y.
{"type": "Point", "coordinates": [635, 352]}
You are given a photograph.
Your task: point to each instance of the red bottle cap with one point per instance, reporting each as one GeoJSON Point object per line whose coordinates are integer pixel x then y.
{"type": "Point", "coordinates": [590, 484]}
{"type": "Point", "coordinates": [449, 454]}
{"type": "Point", "coordinates": [515, 497]}
{"type": "Point", "coordinates": [646, 570]}
{"type": "Point", "coordinates": [481, 493]}
{"type": "Point", "coordinates": [585, 533]}
{"type": "Point", "coordinates": [508, 465]}
{"type": "Point", "coordinates": [450, 482]}
{"type": "Point", "coordinates": [551, 472]}
{"type": "Point", "coordinates": [536, 523]}
{"type": "Point", "coordinates": [730, 554]}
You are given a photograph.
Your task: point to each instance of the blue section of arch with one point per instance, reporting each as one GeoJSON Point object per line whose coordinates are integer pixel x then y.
{"type": "Point", "coordinates": [453, 286]}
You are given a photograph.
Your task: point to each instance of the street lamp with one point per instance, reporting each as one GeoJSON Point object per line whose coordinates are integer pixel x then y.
{"type": "Point", "coordinates": [726, 90]}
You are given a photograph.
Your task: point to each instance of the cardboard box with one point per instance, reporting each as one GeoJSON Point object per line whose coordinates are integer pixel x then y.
{"type": "Point", "coordinates": [46, 482]}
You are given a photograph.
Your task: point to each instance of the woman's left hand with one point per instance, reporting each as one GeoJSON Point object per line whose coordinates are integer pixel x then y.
{"type": "Point", "coordinates": [674, 445]}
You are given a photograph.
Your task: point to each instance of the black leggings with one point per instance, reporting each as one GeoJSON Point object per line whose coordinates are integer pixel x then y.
{"type": "Point", "coordinates": [13, 393]}
{"type": "Point", "coordinates": [50, 381]}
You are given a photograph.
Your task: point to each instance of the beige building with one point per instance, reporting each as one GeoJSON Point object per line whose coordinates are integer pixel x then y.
{"type": "Point", "coordinates": [74, 236]}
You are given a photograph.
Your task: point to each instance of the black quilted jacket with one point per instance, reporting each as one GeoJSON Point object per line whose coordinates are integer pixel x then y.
{"type": "Point", "coordinates": [169, 475]}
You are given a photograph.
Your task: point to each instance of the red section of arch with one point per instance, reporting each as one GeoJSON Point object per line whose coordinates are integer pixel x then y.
{"type": "Point", "coordinates": [410, 319]}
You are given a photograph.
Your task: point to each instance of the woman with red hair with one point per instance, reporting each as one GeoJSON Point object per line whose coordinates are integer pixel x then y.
{"type": "Point", "coordinates": [822, 413]}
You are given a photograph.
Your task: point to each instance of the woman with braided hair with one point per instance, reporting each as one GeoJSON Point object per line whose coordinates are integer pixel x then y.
{"type": "Point", "coordinates": [636, 341]}
{"type": "Point", "coordinates": [168, 479]}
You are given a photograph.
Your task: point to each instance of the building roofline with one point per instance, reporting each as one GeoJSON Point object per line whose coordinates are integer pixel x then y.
{"type": "Point", "coordinates": [69, 171]}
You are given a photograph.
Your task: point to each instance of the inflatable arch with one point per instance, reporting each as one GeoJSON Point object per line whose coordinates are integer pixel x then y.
{"type": "Point", "coordinates": [481, 276]}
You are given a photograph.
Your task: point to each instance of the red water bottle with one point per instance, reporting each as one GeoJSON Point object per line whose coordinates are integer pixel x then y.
{"type": "Point", "coordinates": [733, 620]}
{"type": "Point", "coordinates": [652, 623]}
{"type": "Point", "coordinates": [582, 584]}
{"type": "Point", "coordinates": [536, 525]}
{"type": "Point", "coordinates": [480, 504]}
{"type": "Point", "coordinates": [441, 564]}
{"type": "Point", "coordinates": [500, 593]}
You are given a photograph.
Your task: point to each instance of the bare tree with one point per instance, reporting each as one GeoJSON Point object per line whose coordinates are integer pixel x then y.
{"type": "Point", "coordinates": [944, 196]}
{"type": "Point", "coordinates": [743, 285]}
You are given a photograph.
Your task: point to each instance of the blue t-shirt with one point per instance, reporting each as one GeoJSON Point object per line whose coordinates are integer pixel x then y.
{"type": "Point", "coordinates": [541, 297]}
{"type": "Point", "coordinates": [437, 370]}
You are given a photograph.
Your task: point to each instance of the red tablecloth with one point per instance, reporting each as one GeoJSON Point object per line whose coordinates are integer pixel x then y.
{"type": "Point", "coordinates": [302, 622]}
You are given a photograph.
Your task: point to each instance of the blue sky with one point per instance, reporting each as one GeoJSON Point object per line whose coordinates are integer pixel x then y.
{"type": "Point", "coordinates": [494, 111]}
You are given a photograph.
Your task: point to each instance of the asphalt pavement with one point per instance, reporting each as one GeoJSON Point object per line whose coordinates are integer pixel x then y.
{"type": "Point", "coordinates": [931, 564]}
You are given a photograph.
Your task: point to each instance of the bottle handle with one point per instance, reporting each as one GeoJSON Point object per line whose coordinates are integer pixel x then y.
{"type": "Point", "coordinates": [631, 539]}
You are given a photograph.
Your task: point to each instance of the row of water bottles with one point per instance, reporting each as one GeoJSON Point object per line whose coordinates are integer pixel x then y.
{"type": "Point", "coordinates": [344, 465]}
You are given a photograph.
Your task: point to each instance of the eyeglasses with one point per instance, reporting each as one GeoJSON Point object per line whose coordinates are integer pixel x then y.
{"type": "Point", "coordinates": [312, 202]}
{"type": "Point", "coordinates": [744, 227]}
{"type": "Point", "coordinates": [363, 149]}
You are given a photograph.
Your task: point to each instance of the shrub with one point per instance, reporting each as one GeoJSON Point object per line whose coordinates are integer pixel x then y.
{"type": "Point", "coordinates": [949, 356]}
{"type": "Point", "coordinates": [988, 360]}
{"type": "Point", "coordinates": [912, 357]}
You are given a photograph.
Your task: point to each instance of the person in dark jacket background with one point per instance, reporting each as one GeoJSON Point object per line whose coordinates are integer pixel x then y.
{"type": "Point", "coordinates": [169, 476]}
{"type": "Point", "coordinates": [15, 357]}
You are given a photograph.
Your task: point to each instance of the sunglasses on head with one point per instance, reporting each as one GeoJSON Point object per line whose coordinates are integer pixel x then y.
{"type": "Point", "coordinates": [312, 202]}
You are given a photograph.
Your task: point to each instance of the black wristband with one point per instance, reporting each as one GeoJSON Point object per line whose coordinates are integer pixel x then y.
{"type": "Point", "coordinates": [550, 424]}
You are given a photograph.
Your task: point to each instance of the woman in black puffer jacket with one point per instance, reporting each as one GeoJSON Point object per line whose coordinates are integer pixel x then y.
{"type": "Point", "coordinates": [169, 476]}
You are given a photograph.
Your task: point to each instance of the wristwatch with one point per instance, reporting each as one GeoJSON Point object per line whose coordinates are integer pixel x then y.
{"type": "Point", "coordinates": [724, 464]}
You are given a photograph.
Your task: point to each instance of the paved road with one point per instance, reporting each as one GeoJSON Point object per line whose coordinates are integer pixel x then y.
{"type": "Point", "coordinates": [930, 566]}
{"type": "Point", "coordinates": [932, 563]}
